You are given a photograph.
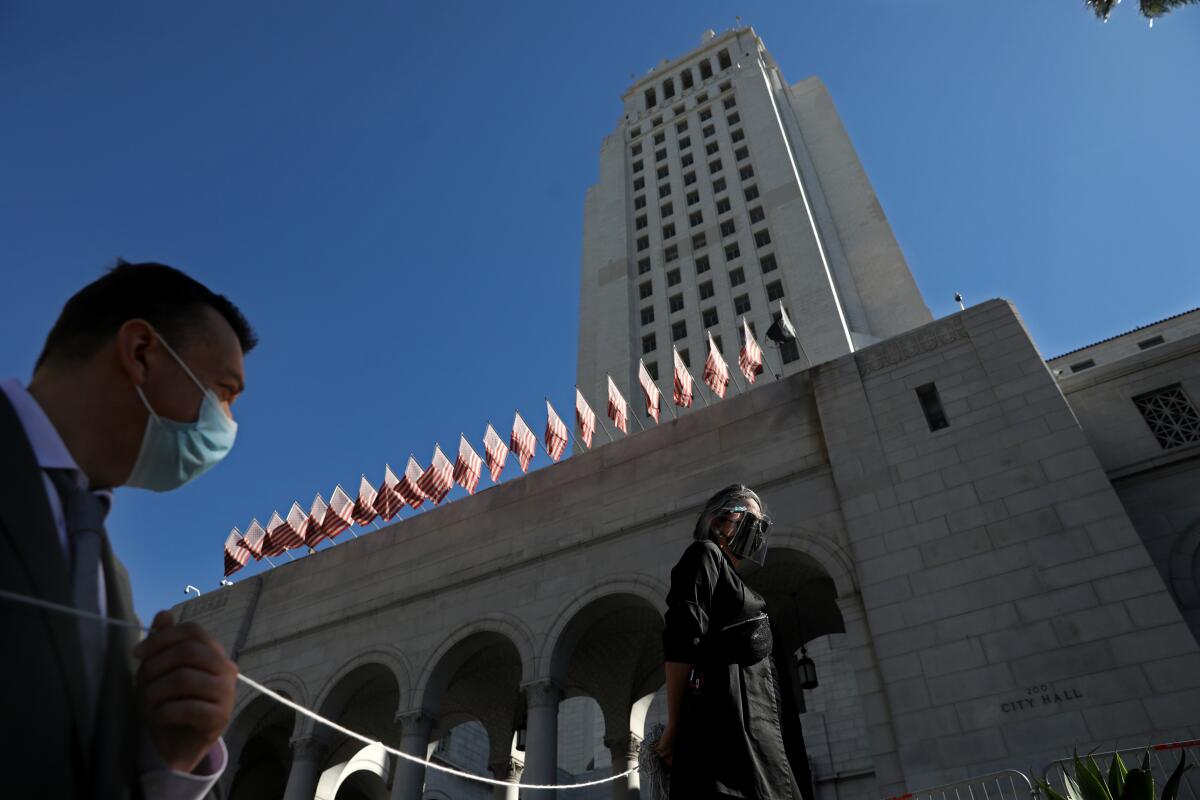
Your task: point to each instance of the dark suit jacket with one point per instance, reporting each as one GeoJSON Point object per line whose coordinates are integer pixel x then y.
{"type": "Point", "coordinates": [44, 750]}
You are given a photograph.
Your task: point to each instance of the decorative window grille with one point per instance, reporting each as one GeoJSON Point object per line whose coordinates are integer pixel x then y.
{"type": "Point", "coordinates": [1171, 416]}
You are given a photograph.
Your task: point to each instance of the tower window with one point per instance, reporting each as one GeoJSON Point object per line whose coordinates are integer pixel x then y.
{"type": "Point", "coordinates": [1171, 416]}
{"type": "Point", "coordinates": [931, 405]}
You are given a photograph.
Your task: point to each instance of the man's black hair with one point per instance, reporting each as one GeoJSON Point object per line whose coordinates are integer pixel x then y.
{"type": "Point", "coordinates": [168, 299]}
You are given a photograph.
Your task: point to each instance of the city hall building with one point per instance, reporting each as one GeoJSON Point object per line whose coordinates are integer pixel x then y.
{"type": "Point", "coordinates": [991, 559]}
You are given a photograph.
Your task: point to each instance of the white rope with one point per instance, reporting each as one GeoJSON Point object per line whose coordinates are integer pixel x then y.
{"type": "Point", "coordinates": [299, 709]}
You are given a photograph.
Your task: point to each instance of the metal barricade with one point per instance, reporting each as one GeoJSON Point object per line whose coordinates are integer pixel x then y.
{"type": "Point", "coordinates": [1008, 784]}
{"type": "Point", "coordinates": [1163, 760]}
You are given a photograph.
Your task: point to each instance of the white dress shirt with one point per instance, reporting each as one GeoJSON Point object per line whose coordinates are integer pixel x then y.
{"type": "Point", "coordinates": [158, 782]}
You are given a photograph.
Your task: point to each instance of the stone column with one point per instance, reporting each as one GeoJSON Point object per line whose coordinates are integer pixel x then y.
{"type": "Point", "coordinates": [624, 750]}
{"type": "Point", "coordinates": [308, 753]}
{"type": "Point", "coordinates": [409, 780]}
{"type": "Point", "coordinates": [506, 769]}
{"type": "Point", "coordinates": [541, 740]}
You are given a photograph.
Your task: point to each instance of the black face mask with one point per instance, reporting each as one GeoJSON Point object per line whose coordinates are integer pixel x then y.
{"type": "Point", "coordinates": [749, 540]}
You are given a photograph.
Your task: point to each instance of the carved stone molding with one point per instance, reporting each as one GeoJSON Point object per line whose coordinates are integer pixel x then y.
{"type": "Point", "coordinates": [898, 349]}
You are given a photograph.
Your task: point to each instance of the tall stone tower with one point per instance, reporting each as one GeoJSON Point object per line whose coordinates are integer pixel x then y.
{"type": "Point", "coordinates": [724, 192]}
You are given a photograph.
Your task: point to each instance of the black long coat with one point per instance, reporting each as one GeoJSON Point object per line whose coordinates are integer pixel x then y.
{"type": "Point", "coordinates": [739, 734]}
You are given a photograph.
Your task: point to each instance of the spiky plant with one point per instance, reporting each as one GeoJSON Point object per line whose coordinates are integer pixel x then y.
{"type": "Point", "coordinates": [1151, 9]}
{"type": "Point", "coordinates": [1089, 783]}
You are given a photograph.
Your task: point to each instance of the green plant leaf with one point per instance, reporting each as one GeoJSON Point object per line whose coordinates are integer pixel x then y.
{"type": "Point", "coordinates": [1172, 786]}
{"type": "Point", "coordinates": [1091, 783]}
{"type": "Point", "coordinates": [1116, 776]}
{"type": "Point", "coordinates": [1139, 784]}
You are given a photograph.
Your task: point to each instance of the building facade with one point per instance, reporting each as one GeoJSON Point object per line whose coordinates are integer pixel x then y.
{"type": "Point", "coordinates": [723, 193]}
{"type": "Point", "coordinates": [950, 547]}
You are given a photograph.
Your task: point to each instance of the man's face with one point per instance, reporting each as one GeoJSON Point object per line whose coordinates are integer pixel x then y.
{"type": "Point", "coordinates": [214, 356]}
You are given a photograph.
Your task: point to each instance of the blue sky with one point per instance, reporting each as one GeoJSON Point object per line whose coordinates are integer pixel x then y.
{"type": "Point", "coordinates": [393, 193]}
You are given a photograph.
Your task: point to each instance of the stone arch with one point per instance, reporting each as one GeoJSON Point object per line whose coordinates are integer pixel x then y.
{"type": "Point", "coordinates": [502, 624]}
{"type": "Point", "coordinates": [1184, 568]}
{"type": "Point", "coordinates": [385, 655]}
{"type": "Point", "coordinates": [650, 589]}
{"type": "Point", "coordinates": [822, 549]}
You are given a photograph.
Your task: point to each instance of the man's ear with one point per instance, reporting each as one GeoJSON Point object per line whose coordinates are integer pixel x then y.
{"type": "Point", "coordinates": [134, 339]}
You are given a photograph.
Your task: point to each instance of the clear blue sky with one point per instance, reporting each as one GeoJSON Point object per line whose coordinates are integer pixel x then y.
{"type": "Point", "coordinates": [394, 195]}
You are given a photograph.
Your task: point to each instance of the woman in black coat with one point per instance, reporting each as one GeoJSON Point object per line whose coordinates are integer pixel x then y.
{"type": "Point", "coordinates": [732, 730]}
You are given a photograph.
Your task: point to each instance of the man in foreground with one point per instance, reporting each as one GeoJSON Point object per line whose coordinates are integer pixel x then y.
{"type": "Point", "coordinates": [134, 387]}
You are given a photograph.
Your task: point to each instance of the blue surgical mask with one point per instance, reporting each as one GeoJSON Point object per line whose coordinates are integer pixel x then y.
{"type": "Point", "coordinates": [174, 453]}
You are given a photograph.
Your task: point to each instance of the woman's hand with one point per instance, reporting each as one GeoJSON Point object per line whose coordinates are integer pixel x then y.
{"type": "Point", "coordinates": [666, 745]}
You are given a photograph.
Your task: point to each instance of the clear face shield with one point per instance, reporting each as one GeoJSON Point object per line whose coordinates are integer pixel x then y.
{"type": "Point", "coordinates": [748, 541]}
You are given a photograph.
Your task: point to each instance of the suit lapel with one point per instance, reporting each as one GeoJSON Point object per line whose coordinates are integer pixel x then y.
{"type": "Point", "coordinates": [29, 524]}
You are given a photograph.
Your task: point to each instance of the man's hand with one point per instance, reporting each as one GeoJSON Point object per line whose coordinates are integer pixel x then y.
{"type": "Point", "coordinates": [666, 745]}
{"type": "Point", "coordinates": [185, 690]}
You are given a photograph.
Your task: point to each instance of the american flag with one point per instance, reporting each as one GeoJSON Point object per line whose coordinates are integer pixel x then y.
{"type": "Point", "coordinates": [297, 520]}
{"type": "Point", "coordinates": [253, 540]}
{"type": "Point", "coordinates": [618, 409]}
{"type": "Point", "coordinates": [364, 507]}
{"type": "Point", "coordinates": [316, 521]}
{"type": "Point", "coordinates": [235, 555]}
{"type": "Point", "coordinates": [340, 516]}
{"type": "Point", "coordinates": [280, 536]}
{"type": "Point", "coordinates": [388, 501]}
{"type": "Point", "coordinates": [496, 452]}
{"type": "Point", "coordinates": [556, 434]}
{"type": "Point", "coordinates": [522, 442]}
{"type": "Point", "coordinates": [750, 360]}
{"type": "Point", "coordinates": [716, 371]}
{"type": "Point", "coordinates": [653, 396]}
{"type": "Point", "coordinates": [585, 417]}
{"type": "Point", "coordinates": [409, 487]}
{"type": "Point", "coordinates": [683, 382]}
{"type": "Point", "coordinates": [435, 482]}
{"type": "Point", "coordinates": [467, 466]}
